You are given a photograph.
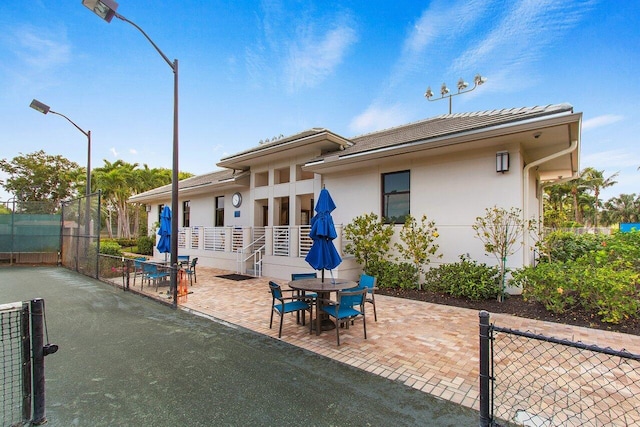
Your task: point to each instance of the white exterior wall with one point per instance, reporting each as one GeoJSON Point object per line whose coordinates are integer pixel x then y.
{"type": "Point", "coordinates": [452, 190]}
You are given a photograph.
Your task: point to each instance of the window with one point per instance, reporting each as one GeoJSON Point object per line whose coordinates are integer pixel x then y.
{"type": "Point", "coordinates": [219, 212]}
{"type": "Point", "coordinates": [160, 208]}
{"type": "Point", "coordinates": [395, 197]}
{"type": "Point", "coordinates": [186, 213]}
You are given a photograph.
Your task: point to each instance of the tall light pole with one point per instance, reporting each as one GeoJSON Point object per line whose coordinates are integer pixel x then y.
{"type": "Point", "coordinates": [462, 85]}
{"type": "Point", "coordinates": [106, 9]}
{"type": "Point", "coordinates": [44, 109]}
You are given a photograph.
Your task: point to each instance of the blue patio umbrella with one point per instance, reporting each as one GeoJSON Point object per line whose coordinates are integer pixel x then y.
{"type": "Point", "coordinates": [323, 254]}
{"type": "Point", "coordinates": [164, 244]}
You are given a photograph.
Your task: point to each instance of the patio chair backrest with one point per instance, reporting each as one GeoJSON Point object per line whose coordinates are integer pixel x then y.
{"type": "Point", "coordinates": [276, 291]}
{"type": "Point", "coordinates": [352, 297]}
{"type": "Point", "coordinates": [300, 276]}
{"type": "Point", "coordinates": [368, 281]}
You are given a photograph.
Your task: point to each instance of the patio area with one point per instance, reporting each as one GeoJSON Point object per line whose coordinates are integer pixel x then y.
{"type": "Point", "coordinates": [430, 347]}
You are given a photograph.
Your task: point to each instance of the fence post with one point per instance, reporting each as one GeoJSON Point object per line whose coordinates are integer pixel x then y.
{"type": "Point", "coordinates": [37, 327]}
{"type": "Point", "coordinates": [485, 414]}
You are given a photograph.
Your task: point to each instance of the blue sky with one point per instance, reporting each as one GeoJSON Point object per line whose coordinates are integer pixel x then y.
{"type": "Point", "coordinates": [251, 70]}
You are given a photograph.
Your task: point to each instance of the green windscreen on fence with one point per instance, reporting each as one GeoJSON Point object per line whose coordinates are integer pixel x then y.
{"type": "Point", "coordinates": [29, 232]}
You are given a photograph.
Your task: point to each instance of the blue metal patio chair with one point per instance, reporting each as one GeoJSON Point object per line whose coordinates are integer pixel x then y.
{"type": "Point", "coordinates": [191, 271]}
{"type": "Point", "coordinates": [370, 282]}
{"type": "Point", "coordinates": [151, 272]}
{"type": "Point", "coordinates": [348, 305]}
{"type": "Point", "coordinates": [289, 304]}
{"type": "Point", "coordinates": [300, 276]}
{"type": "Point", "coordinates": [137, 268]}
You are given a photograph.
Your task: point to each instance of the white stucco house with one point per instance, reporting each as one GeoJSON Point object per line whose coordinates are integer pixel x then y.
{"type": "Point", "coordinates": [252, 216]}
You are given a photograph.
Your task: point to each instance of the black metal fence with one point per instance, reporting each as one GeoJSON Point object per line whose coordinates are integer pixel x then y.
{"type": "Point", "coordinates": [23, 348]}
{"type": "Point", "coordinates": [535, 380]}
{"type": "Point", "coordinates": [143, 276]}
{"type": "Point", "coordinates": [81, 234]}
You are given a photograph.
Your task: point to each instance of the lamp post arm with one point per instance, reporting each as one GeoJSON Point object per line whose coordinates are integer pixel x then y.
{"type": "Point", "coordinates": [171, 64]}
{"type": "Point", "coordinates": [71, 121]}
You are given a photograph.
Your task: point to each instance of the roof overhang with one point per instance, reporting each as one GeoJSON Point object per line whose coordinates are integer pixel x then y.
{"type": "Point", "coordinates": [322, 140]}
{"type": "Point", "coordinates": [557, 133]}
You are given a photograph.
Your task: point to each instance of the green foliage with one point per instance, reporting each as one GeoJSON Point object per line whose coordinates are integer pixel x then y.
{"type": "Point", "coordinates": [110, 248]}
{"type": "Point", "coordinates": [562, 246]}
{"type": "Point", "coordinates": [603, 281]}
{"type": "Point", "coordinates": [126, 243]}
{"type": "Point", "coordinates": [369, 239]}
{"type": "Point", "coordinates": [145, 245]}
{"type": "Point", "coordinates": [40, 177]}
{"type": "Point", "coordinates": [418, 242]}
{"type": "Point", "coordinates": [501, 231]}
{"type": "Point", "coordinates": [393, 275]}
{"type": "Point", "coordinates": [466, 278]}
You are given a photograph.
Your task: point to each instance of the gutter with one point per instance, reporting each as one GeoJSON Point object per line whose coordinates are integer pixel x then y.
{"type": "Point", "coordinates": [525, 194]}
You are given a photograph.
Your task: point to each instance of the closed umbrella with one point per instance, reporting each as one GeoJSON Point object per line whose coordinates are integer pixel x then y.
{"type": "Point", "coordinates": [323, 254]}
{"type": "Point", "coordinates": [164, 244]}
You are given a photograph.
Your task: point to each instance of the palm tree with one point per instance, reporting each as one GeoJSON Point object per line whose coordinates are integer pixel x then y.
{"type": "Point", "coordinates": [624, 208]}
{"type": "Point", "coordinates": [596, 181]}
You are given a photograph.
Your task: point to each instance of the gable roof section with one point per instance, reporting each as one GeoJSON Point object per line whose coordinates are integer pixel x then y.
{"type": "Point", "coordinates": [447, 125]}
{"type": "Point", "coordinates": [221, 179]}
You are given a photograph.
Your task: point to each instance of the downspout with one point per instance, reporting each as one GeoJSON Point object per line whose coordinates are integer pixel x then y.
{"type": "Point", "coordinates": [525, 192]}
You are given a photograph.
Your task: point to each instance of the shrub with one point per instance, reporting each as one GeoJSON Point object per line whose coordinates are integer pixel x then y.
{"type": "Point", "coordinates": [369, 239]}
{"type": "Point", "coordinates": [401, 275]}
{"type": "Point", "coordinates": [466, 278]}
{"type": "Point", "coordinates": [126, 243]}
{"type": "Point", "coordinates": [563, 246]}
{"type": "Point", "coordinates": [145, 245]}
{"type": "Point", "coordinates": [110, 248]}
{"type": "Point", "coordinates": [418, 242]}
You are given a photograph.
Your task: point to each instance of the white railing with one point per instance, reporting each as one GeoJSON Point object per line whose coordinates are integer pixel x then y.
{"type": "Point", "coordinates": [237, 239]}
{"type": "Point", "coordinates": [281, 242]}
{"type": "Point", "coordinates": [253, 251]}
{"type": "Point", "coordinates": [304, 240]}
{"type": "Point", "coordinates": [182, 238]}
{"type": "Point", "coordinates": [195, 237]}
{"type": "Point", "coordinates": [214, 239]}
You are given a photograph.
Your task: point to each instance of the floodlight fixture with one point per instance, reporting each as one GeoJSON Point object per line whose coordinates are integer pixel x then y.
{"type": "Point", "coordinates": [478, 80]}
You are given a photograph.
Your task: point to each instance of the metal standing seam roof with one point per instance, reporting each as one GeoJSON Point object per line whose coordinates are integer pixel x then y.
{"type": "Point", "coordinates": [449, 124]}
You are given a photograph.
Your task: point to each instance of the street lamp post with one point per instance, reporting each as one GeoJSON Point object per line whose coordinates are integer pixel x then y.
{"type": "Point", "coordinates": [462, 85]}
{"type": "Point", "coordinates": [44, 109]}
{"type": "Point", "coordinates": [106, 9]}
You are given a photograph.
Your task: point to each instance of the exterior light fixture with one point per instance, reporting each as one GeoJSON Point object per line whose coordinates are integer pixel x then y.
{"type": "Point", "coordinates": [44, 109]}
{"type": "Point", "coordinates": [502, 161]}
{"type": "Point", "coordinates": [478, 80]}
{"type": "Point", "coordinates": [106, 9]}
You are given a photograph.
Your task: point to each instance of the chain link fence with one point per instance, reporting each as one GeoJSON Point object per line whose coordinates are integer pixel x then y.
{"type": "Point", "coordinates": [534, 380]}
{"type": "Point", "coordinates": [81, 234]}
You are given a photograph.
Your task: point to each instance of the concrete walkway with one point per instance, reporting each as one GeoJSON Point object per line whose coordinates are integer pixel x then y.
{"type": "Point", "coordinates": [430, 347]}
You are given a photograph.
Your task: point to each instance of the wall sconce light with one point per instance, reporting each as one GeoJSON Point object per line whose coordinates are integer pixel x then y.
{"type": "Point", "coordinates": [502, 161]}
{"type": "Point", "coordinates": [148, 208]}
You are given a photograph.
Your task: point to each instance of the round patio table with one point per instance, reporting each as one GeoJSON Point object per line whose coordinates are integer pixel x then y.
{"type": "Point", "coordinates": [323, 289]}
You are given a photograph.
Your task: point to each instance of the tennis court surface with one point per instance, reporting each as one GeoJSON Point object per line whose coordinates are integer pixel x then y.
{"type": "Point", "coordinates": [126, 360]}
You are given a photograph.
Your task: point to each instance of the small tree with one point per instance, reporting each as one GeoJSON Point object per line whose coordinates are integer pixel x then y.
{"type": "Point", "coordinates": [418, 242]}
{"type": "Point", "coordinates": [369, 239]}
{"type": "Point", "coordinates": [501, 231]}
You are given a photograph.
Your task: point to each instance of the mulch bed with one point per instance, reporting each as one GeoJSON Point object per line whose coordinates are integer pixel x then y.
{"type": "Point", "coordinates": [516, 306]}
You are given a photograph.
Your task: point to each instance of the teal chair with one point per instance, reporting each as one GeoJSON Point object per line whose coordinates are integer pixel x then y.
{"type": "Point", "coordinates": [300, 276]}
{"type": "Point", "coordinates": [370, 282]}
{"type": "Point", "coordinates": [137, 268]}
{"type": "Point", "coordinates": [348, 306]}
{"type": "Point", "coordinates": [282, 305]}
{"type": "Point", "coordinates": [191, 271]}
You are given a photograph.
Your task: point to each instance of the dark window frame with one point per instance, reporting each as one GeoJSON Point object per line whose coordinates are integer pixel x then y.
{"type": "Point", "coordinates": [186, 213]}
{"type": "Point", "coordinates": [387, 194]}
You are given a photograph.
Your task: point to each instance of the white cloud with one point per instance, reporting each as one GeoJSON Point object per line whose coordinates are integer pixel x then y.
{"type": "Point", "coordinates": [376, 118]}
{"type": "Point", "coordinates": [113, 151]}
{"type": "Point", "coordinates": [599, 121]}
{"type": "Point", "coordinates": [133, 151]}
{"type": "Point", "coordinates": [315, 56]}
{"type": "Point", "coordinates": [38, 51]}
{"type": "Point", "coordinates": [611, 159]}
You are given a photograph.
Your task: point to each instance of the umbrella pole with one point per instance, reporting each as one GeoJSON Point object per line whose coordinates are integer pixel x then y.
{"type": "Point", "coordinates": [322, 276]}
